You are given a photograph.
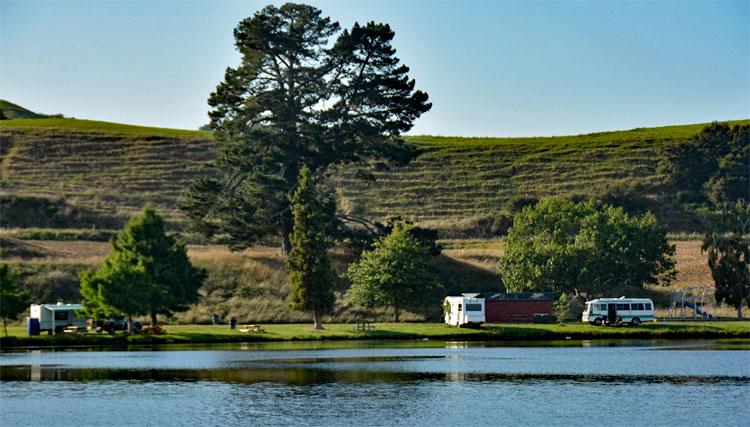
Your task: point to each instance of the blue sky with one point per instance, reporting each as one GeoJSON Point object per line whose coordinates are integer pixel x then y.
{"type": "Point", "coordinates": [490, 68]}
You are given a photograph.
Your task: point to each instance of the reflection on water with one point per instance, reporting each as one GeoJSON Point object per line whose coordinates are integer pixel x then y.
{"type": "Point", "coordinates": [416, 383]}
{"type": "Point", "coordinates": [309, 376]}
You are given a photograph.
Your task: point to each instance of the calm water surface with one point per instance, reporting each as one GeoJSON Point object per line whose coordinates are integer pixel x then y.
{"type": "Point", "coordinates": [411, 383]}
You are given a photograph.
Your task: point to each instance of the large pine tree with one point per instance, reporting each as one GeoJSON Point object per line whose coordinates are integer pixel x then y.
{"type": "Point", "coordinates": [297, 99]}
{"type": "Point", "coordinates": [310, 272]}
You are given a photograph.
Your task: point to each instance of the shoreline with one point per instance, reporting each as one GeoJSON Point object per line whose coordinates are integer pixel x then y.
{"type": "Point", "coordinates": [221, 334]}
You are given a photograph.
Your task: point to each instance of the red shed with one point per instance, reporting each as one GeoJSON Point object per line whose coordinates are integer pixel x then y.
{"type": "Point", "coordinates": [519, 308]}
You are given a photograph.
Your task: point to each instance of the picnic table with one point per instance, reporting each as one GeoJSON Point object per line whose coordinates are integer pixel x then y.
{"type": "Point", "coordinates": [364, 326]}
{"type": "Point", "coordinates": [252, 329]}
{"type": "Point", "coordinates": [73, 330]}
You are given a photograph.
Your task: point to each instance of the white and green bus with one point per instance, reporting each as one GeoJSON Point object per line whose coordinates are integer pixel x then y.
{"type": "Point", "coordinates": [619, 310]}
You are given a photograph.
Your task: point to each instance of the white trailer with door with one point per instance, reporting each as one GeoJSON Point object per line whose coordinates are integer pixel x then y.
{"type": "Point", "coordinates": [464, 310]}
{"type": "Point", "coordinates": [56, 317]}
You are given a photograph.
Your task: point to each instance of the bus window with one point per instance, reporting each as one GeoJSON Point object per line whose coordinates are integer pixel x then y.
{"type": "Point", "coordinates": [602, 307]}
{"type": "Point", "coordinates": [648, 306]}
{"type": "Point", "coordinates": [623, 307]}
{"type": "Point", "coordinates": [638, 306]}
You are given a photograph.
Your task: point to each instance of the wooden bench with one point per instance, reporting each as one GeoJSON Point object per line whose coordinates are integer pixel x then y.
{"type": "Point", "coordinates": [74, 330]}
{"type": "Point", "coordinates": [251, 329]}
{"type": "Point", "coordinates": [363, 326]}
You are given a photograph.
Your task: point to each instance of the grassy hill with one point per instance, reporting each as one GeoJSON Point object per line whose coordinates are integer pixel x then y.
{"type": "Point", "coordinates": [10, 111]}
{"type": "Point", "coordinates": [461, 182]}
{"type": "Point", "coordinates": [87, 174]}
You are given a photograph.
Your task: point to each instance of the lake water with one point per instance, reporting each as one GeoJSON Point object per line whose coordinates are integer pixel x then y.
{"type": "Point", "coordinates": [383, 383]}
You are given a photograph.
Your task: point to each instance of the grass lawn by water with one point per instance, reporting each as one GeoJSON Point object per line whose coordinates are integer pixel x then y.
{"type": "Point", "coordinates": [405, 331]}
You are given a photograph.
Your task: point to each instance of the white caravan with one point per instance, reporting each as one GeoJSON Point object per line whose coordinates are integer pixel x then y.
{"type": "Point", "coordinates": [56, 317]}
{"type": "Point", "coordinates": [466, 310]}
{"type": "Point", "coordinates": [619, 310]}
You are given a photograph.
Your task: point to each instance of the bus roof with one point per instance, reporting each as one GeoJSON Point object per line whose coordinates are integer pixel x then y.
{"type": "Point", "coordinates": [621, 299]}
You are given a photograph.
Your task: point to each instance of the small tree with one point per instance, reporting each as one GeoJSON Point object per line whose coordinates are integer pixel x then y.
{"type": "Point", "coordinates": [13, 301]}
{"type": "Point", "coordinates": [395, 273]}
{"type": "Point", "coordinates": [582, 248]}
{"type": "Point", "coordinates": [147, 272]}
{"type": "Point", "coordinates": [561, 308]}
{"type": "Point", "coordinates": [728, 247]}
{"type": "Point", "coordinates": [310, 273]}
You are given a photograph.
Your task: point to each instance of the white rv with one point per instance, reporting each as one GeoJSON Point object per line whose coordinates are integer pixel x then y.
{"type": "Point", "coordinates": [56, 317]}
{"type": "Point", "coordinates": [619, 310]}
{"type": "Point", "coordinates": [466, 310]}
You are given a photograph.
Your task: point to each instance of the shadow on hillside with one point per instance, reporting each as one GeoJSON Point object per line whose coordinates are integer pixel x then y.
{"type": "Point", "coordinates": [459, 277]}
{"type": "Point", "coordinates": [42, 212]}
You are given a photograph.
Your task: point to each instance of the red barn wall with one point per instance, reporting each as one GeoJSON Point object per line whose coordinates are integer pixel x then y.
{"type": "Point", "coordinates": [515, 310]}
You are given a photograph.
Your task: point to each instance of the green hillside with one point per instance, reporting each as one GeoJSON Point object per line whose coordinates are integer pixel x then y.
{"type": "Point", "coordinates": [461, 183]}
{"type": "Point", "coordinates": [11, 111]}
{"type": "Point", "coordinates": [90, 173]}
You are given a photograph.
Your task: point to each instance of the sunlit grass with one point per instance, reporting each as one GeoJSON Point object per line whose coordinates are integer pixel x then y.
{"type": "Point", "coordinates": [50, 124]}
{"type": "Point", "coordinates": [402, 331]}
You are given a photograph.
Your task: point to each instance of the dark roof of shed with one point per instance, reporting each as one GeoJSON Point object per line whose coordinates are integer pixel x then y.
{"type": "Point", "coordinates": [521, 296]}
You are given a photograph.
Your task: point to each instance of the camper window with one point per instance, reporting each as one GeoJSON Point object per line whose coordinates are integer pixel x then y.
{"type": "Point", "coordinates": [473, 307]}
{"type": "Point", "coordinates": [460, 307]}
{"type": "Point", "coordinates": [61, 315]}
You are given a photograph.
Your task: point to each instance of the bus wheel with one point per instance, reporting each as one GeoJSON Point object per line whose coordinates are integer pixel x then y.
{"type": "Point", "coordinates": [598, 321]}
{"type": "Point", "coordinates": [635, 322]}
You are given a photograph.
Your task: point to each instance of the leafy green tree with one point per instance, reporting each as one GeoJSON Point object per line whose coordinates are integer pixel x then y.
{"type": "Point", "coordinates": [13, 301]}
{"type": "Point", "coordinates": [714, 165]}
{"type": "Point", "coordinates": [395, 273]}
{"type": "Point", "coordinates": [728, 247]}
{"type": "Point", "coordinates": [310, 272]}
{"type": "Point", "coordinates": [731, 181]}
{"type": "Point", "coordinates": [298, 99]}
{"type": "Point", "coordinates": [146, 272]}
{"type": "Point", "coordinates": [582, 248]}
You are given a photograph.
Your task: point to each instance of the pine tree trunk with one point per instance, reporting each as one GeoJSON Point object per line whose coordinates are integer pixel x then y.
{"type": "Point", "coordinates": [395, 307]}
{"type": "Point", "coordinates": [5, 326]}
{"type": "Point", "coordinates": [153, 318]}
{"type": "Point", "coordinates": [318, 321]}
{"type": "Point", "coordinates": [130, 324]}
{"type": "Point", "coordinates": [739, 310]}
{"type": "Point", "coordinates": [287, 225]}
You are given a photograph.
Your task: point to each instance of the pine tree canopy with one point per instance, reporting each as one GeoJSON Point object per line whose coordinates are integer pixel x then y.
{"type": "Point", "coordinates": [299, 99]}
